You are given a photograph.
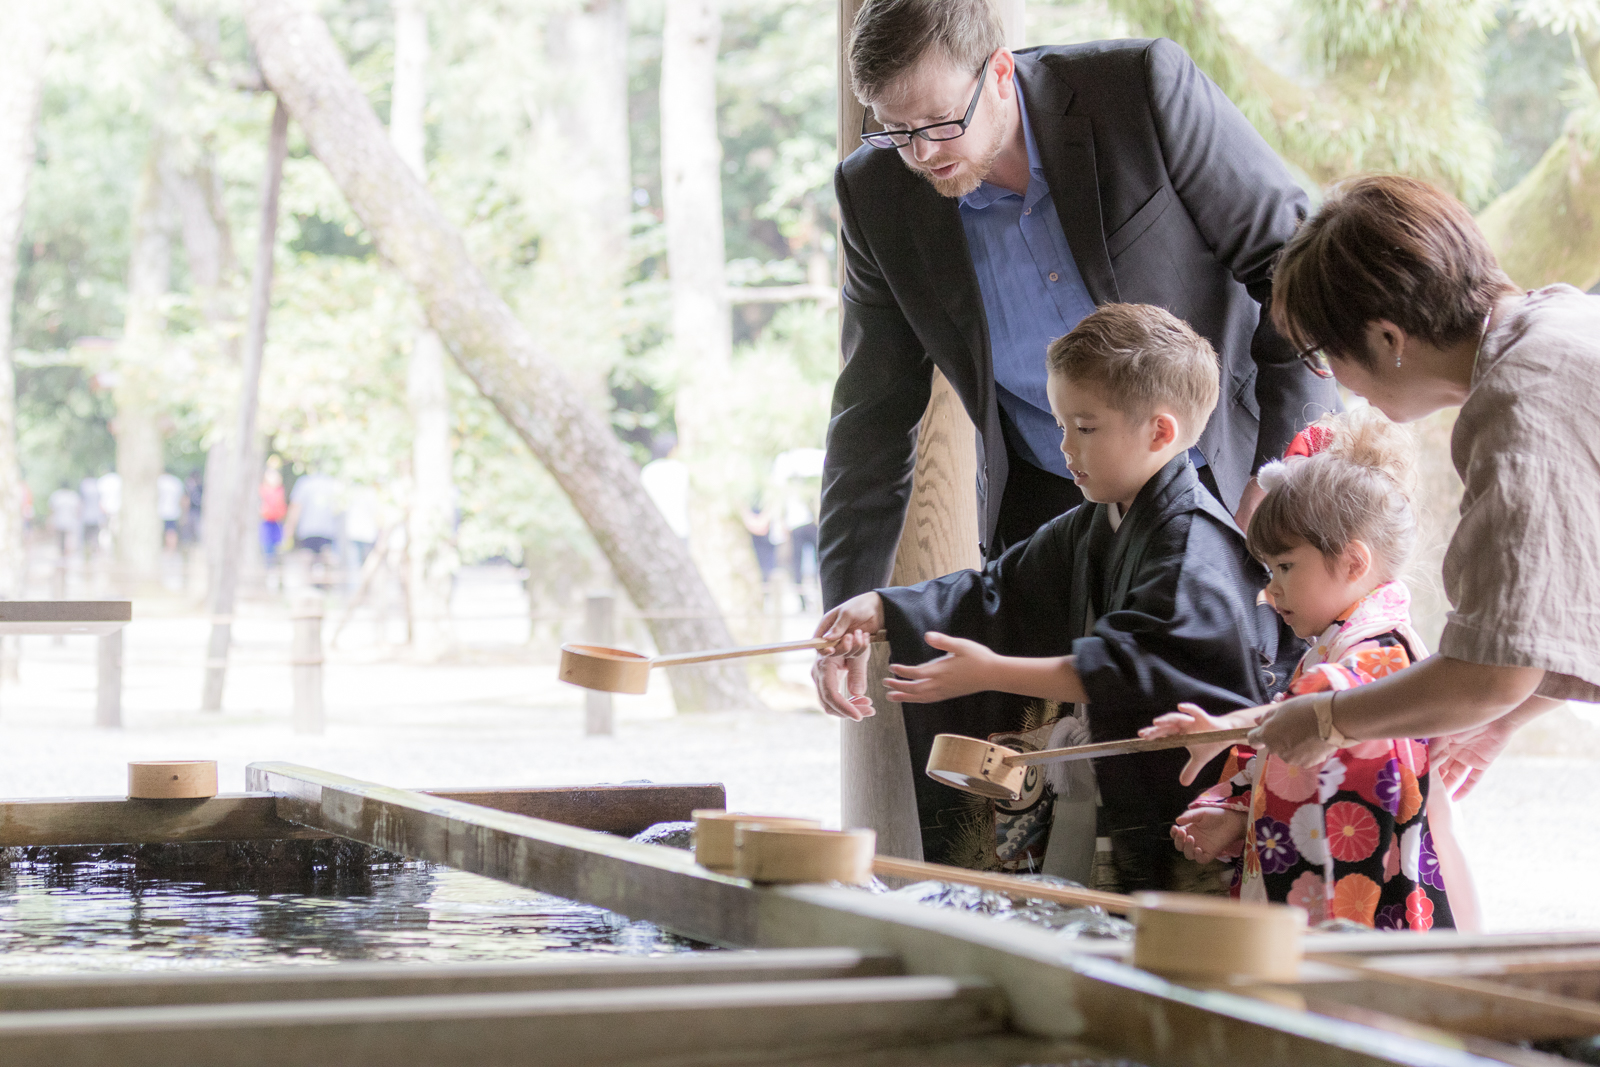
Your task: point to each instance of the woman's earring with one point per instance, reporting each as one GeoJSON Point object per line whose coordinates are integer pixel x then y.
{"type": "Point", "coordinates": [1396, 361]}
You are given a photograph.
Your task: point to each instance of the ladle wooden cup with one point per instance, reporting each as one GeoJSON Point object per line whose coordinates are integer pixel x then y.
{"type": "Point", "coordinates": [997, 772]}
{"type": "Point", "coordinates": [616, 670]}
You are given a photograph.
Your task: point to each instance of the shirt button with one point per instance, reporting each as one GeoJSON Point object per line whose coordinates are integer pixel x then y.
{"type": "Point", "coordinates": [1054, 276]}
{"type": "Point", "coordinates": [1027, 211]}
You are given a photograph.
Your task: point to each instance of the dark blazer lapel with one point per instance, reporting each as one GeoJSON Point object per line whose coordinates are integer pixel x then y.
{"type": "Point", "coordinates": [1066, 149]}
{"type": "Point", "coordinates": [941, 240]}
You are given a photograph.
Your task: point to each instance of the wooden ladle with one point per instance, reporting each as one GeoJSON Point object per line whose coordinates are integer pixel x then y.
{"type": "Point", "coordinates": [997, 772]}
{"type": "Point", "coordinates": [616, 670]}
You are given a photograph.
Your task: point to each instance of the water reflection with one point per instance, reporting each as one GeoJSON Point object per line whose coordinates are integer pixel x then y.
{"type": "Point", "coordinates": [111, 915]}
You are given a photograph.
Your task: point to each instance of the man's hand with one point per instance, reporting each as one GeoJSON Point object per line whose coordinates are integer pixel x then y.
{"type": "Point", "coordinates": [1249, 500]}
{"type": "Point", "coordinates": [1206, 834]}
{"type": "Point", "coordinates": [1192, 719]}
{"type": "Point", "coordinates": [1290, 732]}
{"type": "Point", "coordinates": [966, 667]}
{"type": "Point", "coordinates": [850, 626]}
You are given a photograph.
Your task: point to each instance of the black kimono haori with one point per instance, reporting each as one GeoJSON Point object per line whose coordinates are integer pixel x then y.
{"type": "Point", "coordinates": [1163, 609]}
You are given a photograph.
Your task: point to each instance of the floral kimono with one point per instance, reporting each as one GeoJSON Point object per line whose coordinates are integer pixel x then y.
{"type": "Point", "coordinates": [1348, 839]}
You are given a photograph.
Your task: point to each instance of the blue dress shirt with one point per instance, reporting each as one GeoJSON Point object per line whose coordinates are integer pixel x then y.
{"type": "Point", "coordinates": [1032, 294]}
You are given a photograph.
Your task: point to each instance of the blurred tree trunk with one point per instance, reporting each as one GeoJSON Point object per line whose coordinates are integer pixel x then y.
{"type": "Point", "coordinates": [234, 496]}
{"type": "Point", "coordinates": [430, 518]}
{"type": "Point", "coordinates": [23, 47]}
{"type": "Point", "coordinates": [587, 47]}
{"type": "Point", "coordinates": [691, 193]}
{"type": "Point", "coordinates": [137, 393]}
{"type": "Point", "coordinates": [302, 64]}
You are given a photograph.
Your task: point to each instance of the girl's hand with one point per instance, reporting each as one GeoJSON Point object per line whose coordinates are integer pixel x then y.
{"type": "Point", "coordinates": [1206, 834]}
{"type": "Point", "coordinates": [965, 668]}
{"type": "Point", "coordinates": [1192, 719]}
{"type": "Point", "coordinates": [850, 626]}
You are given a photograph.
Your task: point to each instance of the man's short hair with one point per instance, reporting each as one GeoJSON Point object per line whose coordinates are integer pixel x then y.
{"type": "Point", "coordinates": [1143, 359]}
{"type": "Point", "coordinates": [1389, 247]}
{"type": "Point", "coordinates": [891, 36]}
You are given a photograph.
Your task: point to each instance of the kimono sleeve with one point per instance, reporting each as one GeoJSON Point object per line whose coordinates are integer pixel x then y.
{"type": "Point", "coordinates": [1186, 632]}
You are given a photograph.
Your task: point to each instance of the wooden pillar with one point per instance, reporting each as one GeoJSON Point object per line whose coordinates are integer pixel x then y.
{"type": "Point", "coordinates": [305, 658]}
{"type": "Point", "coordinates": [599, 611]}
{"type": "Point", "coordinates": [108, 695]}
{"type": "Point", "coordinates": [940, 536]}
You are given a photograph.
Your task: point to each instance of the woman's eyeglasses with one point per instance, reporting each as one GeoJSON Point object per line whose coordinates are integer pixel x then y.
{"type": "Point", "coordinates": [1316, 361]}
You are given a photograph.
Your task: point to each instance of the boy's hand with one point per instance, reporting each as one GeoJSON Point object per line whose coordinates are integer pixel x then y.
{"type": "Point", "coordinates": [850, 626]}
{"type": "Point", "coordinates": [965, 667]}
{"type": "Point", "coordinates": [1206, 834]}
{"type": "Point", "coordinates": [1192, 719]}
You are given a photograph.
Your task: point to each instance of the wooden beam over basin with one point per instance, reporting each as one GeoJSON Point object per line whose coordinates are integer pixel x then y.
{"type": "Point", "coordinates": [691, 1024]}
{"type": "Point", "coordinates": [142, 989]}
{"type": "Point", "coordinates": [618, 809]}
{"type": "Point", "coordinates": [1050, 990]}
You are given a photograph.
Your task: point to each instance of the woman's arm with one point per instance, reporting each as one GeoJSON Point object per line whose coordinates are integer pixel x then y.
{"type": "Point", "coordinates": [1435, 697]}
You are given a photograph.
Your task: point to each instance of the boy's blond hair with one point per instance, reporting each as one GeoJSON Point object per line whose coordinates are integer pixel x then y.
{"type": "Point", "coordinates": [1144, 360]}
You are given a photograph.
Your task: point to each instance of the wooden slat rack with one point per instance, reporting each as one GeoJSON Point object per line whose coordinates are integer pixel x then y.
{"type": "Point", "coordinates": [819, 975]}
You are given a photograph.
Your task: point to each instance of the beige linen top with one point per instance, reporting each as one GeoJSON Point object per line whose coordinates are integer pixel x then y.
{"type": "Point", "coordinates": [1523, 569]}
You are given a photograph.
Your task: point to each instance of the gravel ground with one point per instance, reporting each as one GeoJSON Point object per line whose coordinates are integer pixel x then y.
{"type": "Point", "coordinates": [496, 716]}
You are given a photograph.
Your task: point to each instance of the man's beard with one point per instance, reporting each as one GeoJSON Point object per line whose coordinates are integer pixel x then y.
{"type": "Point", "coordinates": [969, 178]}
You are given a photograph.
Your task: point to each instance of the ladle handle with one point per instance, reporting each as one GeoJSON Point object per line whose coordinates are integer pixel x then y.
{"type": "Point", "coordinates": [1002, 883]}
{"type": "Point", "coordinates": [1122, 748]}
{"type": "Point", "coordinates": [683, 659]}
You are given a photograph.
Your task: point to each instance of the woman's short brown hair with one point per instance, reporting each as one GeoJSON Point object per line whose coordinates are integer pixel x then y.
{"type": "Point", "coordinates": [890, 37]}
{"type": "Point", "coordinates": [1143, 359]}
{"type": "Point", "coordinates": [1389, 247]}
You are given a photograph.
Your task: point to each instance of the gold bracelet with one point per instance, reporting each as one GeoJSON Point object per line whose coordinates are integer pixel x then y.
{"type": "Point", "coordinates": [1322, 704]}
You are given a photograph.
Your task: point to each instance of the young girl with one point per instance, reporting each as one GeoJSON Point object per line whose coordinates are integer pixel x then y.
{"type": "Point", "coordinates": [1351, 839]}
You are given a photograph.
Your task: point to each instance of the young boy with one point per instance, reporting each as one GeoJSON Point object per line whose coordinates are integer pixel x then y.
{"type": "Point", "coordinates": [1108, 616]}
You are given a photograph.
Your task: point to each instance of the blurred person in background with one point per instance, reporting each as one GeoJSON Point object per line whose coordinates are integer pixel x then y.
{"type": "Point", "coordinates": [315, 520]}
{"type": "Point", "coordinates": [274, 505]}
{"type": "Point", "coordinates": [666, 479]}
{"type": "Point", "coordinates": [170, 507]}
{"type": "Point", "coordinates": [94, 517]}
{"type": "Point", "coordinates": [66, 518]}
{"type": "Point", "coordinates": [194, 513]}
{"type": "Point", "coordinates": [110, 486]}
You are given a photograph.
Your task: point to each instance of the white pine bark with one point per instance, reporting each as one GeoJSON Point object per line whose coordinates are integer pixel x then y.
{"type": "Point", "coordinates": [430, 519]}
{"type": "Point", "coordinates": [137, 425]}
{"type": "Point", "coordinates": [23, 47]}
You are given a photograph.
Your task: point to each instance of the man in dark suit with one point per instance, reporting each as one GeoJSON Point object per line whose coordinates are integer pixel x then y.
{"type": "Point", "coordinates": [999, 198]}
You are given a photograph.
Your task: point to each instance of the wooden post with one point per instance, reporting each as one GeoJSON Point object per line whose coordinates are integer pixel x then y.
{"type": "Point", "coordinates": [941, 536]}
{"type": "Point", "coordinates": [306, 662]}
{"type": "Point", "coordinates": [237, 496]}
{"type": "Point", "coordinates": [598, 613]}
{"type": "Point", "coordinates": [108, 693]}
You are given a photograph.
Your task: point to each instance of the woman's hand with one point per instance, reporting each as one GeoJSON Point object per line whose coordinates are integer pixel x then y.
{"type": "Point", "coordinates": [840, 672]}
{"type": "Point", "coordinates": [1290, 732]}
{"type": "Point", "coordinates": [966, 667]}
{"type": "Point", "coordinates": [1192, 719]}
{"type": "Point", "coordinates": [1461, 758]}
{"type": "Point", "coordinates": [1206, 834]}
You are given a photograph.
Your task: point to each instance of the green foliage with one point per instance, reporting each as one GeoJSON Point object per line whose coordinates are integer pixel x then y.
{"type": "Point", "coordinates": [63, 425]}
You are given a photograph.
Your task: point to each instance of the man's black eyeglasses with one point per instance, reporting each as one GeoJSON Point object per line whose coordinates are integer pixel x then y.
{"type": "Point", "coordinates": [1316, 361]}
{"type": "Point", "coordinates": [938, 131]}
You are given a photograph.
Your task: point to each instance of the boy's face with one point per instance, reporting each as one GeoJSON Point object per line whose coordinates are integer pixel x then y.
{"type": "Point", "coordinates": [1110, 455]}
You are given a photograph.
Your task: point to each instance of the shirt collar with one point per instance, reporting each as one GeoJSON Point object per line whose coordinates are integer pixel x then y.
{"type": "Point", "coordinates": [987, 193]}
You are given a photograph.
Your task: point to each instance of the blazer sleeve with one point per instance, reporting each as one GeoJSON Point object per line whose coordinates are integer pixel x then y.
{"type": "Point", "coordinates": [1246, 206]}
{"type": "Point", "coordinates": [878, 402]}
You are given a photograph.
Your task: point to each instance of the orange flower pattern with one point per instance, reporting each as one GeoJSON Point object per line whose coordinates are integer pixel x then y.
{"type": "Point", "coordinates": [1345, 819]}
